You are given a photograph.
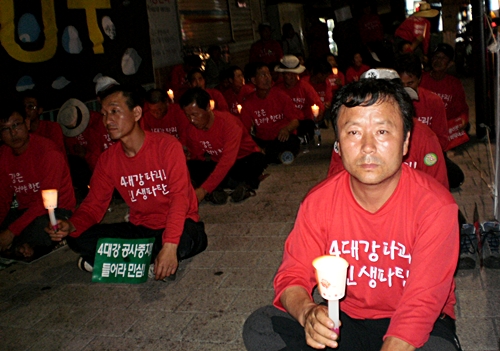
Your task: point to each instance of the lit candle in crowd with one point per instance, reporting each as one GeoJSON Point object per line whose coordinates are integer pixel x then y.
{"type": "Point", "coordinates": [335, 70]}
{"type": "Point", "coordinates": [315, 110]}
{"type": "Point", "coordinates": [212, 104]}
{"type": "Point", "coordinates": [170, 94]}
{"type": "Point", "coordinates": [239, 108]}
{"type": "Point", "coordinates": [49, 197]}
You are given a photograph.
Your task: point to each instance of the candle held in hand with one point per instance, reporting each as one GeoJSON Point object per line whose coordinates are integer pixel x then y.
{"type": "Point", "coordinates": [170, 94]}
{"type": "Point", "coordinates": [239, 108]}
{"type": "Point", "coordinates": [49, 197]}
{"type": "Point", "coordinates": [315, 110]}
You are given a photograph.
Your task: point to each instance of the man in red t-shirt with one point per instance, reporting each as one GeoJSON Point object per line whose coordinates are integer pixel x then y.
{"type": "Point", "coordinates": [197, 79]}
{"type": "Point", "coordinates": [29, 163]}
{"type": "Point", "coordinates": [273, 116]}
{"type": "Point", "coordinates": [302, 94]}
{"type": "Point", "coordinates": [221, 153]}
{"type": "Point", "coordinates": [393, 226]}
{"type": "Point", "coordinates": [356, 69]}
{"type": "Point", "coordinates": [149, 171]}
{"type": "Point", "coordinates": [161, 116]}
{"type": "Point", "coordinates": [266, 49]}
{"type": "Point", "coordinates": [48, 129]}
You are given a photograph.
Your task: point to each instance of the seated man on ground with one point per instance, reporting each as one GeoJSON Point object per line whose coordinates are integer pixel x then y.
{"type": "Point", "coordinates": [150, 173]}
{"type": "Point", "coordinates": [161, 116]}
{"type": "Point", "coordinates": [273, 117]}
{"type": "Point", "coordinates": [392, 224]}
{"type": "Point", "coordinates": [29, 164]}
{"type": "Point", "coordinates": [234, 159]}
{"type": "Point", "coordinates": [48, 129]}
{"type": "Point", "coordinates": [302, 94]}
{"type": "Point", "coordinates": [197, 80]}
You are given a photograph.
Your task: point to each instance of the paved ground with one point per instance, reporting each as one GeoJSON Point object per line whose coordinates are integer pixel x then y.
{"type": "Point", "coordinates": [51, 305]}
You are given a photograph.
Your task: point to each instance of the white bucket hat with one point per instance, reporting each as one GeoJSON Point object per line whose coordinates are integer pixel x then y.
{"type": "Point", "coordinates": [290, 63]}
{"type": "Point", "coordinates": [103, 83]}
{"type": "Point", "coordinates": [389, 74]}
{"type": "Point", "coordinates": [73, 117]}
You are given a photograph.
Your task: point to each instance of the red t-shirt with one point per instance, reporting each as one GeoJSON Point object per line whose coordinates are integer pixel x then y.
{"type": "Point", "coordinates": [88, 142]}
{"type": "Point", "coordinates": [430, 110]}
{"type": "Point", "coordinates": [412, 27]}
{"type": "Point", "coordinates": [42, 166]}
{"type": "Point", "coordinates": [370, 28]}
{"type": "Point", "coordinates": [352, 74]}
{"type": "Point", "coordinates": [451, 91]}
{"type": "Point", "coordinates": [225, 142]}
{"type": "Point", "coordinates": [303, 96]}
{"type": "Point", "coordinates": [332, 78]}
{"type": "Point", "coordinates": [424, 154]}
{"type": "Point", "coordinates": [393, 254]}
{"type": "Point", "coordinates": [266, 51]}
{"type": "Point", "coordinates": [220, 101]}
{"type": "Point", "coordinates": [154, 183]}
{"type": "Point", "coordinates": [169, 123]}
{"type": "Point", "coordinates": [52, 130]}
{"type": "Point", "coordinates": [245, 91]}
{"type": "Point", "coordinates": [324, 90]}
{"type": "Point", "coordinates": [178, 81]}
{"type": "Point", "coordinates": [269, 115]}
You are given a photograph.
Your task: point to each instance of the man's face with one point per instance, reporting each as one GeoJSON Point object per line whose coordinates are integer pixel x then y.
{"type": "Point", "coordinates": [358, 60]}
{"type": "Point", "coordinates": [410, 81]}
{"type": "Point", "coordinates": [262, 79]}
{"type": "Point", "coordinates": [372, 142]}
{"type": "Point", "coordinates": [119, 120]}
{"type": "Point", "coordinates": [290, 79]}
{"type": "Point", "coordinates": [238, 79]}
{"type": "Point", "coordinates": [158, 110]}
{"type": "Point", "coordinates": [33, 111]}
{"type": "Point", "coordinates": [265, 33]}
{"type": "Point", "coordinates": [199, 117]}
{"type": "Point", "coordinates": [440, 62]}
{"type": "Point", "coordinates": [15, 133]}
{"type": "Point", "coordinates": [197, 80]}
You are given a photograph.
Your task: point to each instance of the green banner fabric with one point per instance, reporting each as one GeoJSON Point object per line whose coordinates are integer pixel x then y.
{"type": "Point", "coordinates": [122, 260]}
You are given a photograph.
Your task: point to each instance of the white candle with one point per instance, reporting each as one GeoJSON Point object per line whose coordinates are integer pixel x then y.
{"type": "Point", "coordinates": [335, 70]}
{"type": "Point", "coordinates": [212, 104]}
{"type": "Point", "coordinates": [170, 94]}
{"type": "Point", "coordinates": [315, 110]}
{"type": "Point", "coordinates": [239, 108]}
{"type": "Point", "coordinates": [49, 197]}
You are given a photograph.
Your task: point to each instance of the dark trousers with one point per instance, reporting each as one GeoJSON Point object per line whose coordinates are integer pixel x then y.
{"type": "Point", "coordinates": [273, 148]}
{"type": "Point", "coordinates": [246, 170]}
{"type": "Point", "coordinates": [271, 329]}
{"type": "Point", "coordinates": [306, 128]}
{"type": "Point", "coordinates": [34, 234]}
{"type": "Point", "coordinates": [80, 174]}
{"type": "Point", "coordinates": [455, 175]}
{"type": "Point", "coordinates": [192, 242]}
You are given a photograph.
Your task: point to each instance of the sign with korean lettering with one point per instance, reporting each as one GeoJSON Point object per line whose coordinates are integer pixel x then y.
{"type": "Point", "coordinates": [122, 260]}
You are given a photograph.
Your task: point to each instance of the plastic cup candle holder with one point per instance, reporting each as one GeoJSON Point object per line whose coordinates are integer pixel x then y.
{"type": "Point", "coordinates": [239, 108]}
{"type": "Point", "coordinates": [331, 274]}
{"type": "Point", "coordinates": [49, 197]}
{"type": "Point", "coordinates": [212, 104]}
{"type": "Point", "coordinates": [315, 110]}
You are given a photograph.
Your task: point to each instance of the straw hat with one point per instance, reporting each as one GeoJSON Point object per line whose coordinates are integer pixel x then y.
{"type": "Point", "coordinates": [73, 117]}
{"type": "Point", "coordinates": [290, 63]}
{"type": "Point", "coordinates": [425, 10]}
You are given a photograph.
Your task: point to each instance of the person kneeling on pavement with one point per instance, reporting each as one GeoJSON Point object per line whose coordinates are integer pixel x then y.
{"type": "Point", "coordinates": [221, 153]}
{"type": "Point", "coordinates": [149, 172]}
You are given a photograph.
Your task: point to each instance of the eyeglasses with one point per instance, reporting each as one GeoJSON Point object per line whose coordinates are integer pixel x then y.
{"type": "Point", "coordinates": [12, 128]}
{"type": "Point", "coordinates": [30, 107]}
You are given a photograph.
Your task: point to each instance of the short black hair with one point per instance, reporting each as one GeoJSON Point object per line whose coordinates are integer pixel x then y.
{"type": "Point", "coordinates": [11, 106]}
{"type": "Point", "coordinates": [368, 92]}
{"type": "Point", "coordinates": [155, 96]}
{"type": "Point", "coordinates": [134, 94]}
{"type": "Point", "coordinates": [445, 49]}
{"type": "Point", "coordinates": [254, 67]}
{"type": "Point", "coordinates": [32, 93]}
{"type": "Point", "coordinates": [193, 72]}
{"type": "Point", "coordinates": [318, 66]}
{"type": "Point", "coordinates": [409, 64]}
{"type": "Point", "coordinates": [198, 95]}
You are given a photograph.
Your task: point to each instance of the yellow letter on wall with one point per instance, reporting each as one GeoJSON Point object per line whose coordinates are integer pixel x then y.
{"type": "Point", "coordinates": [90, 7]}
{"type": "Point", "coordinates": [8, 33]}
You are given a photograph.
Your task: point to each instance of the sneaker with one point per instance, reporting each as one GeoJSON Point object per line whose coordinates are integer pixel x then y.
{"type": "Point", "coordinates": [242, 192]}
{"type": "Point", "coordinates": [217, 197]}
{"type": "Point", "coordinates": [468, 247]}
{"type": "Point", "coordinates": [490, 238]}
{"type": "Point", "coordinates": [287, 157]}
{"type": "Point", "coordinates": [84, 265]}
